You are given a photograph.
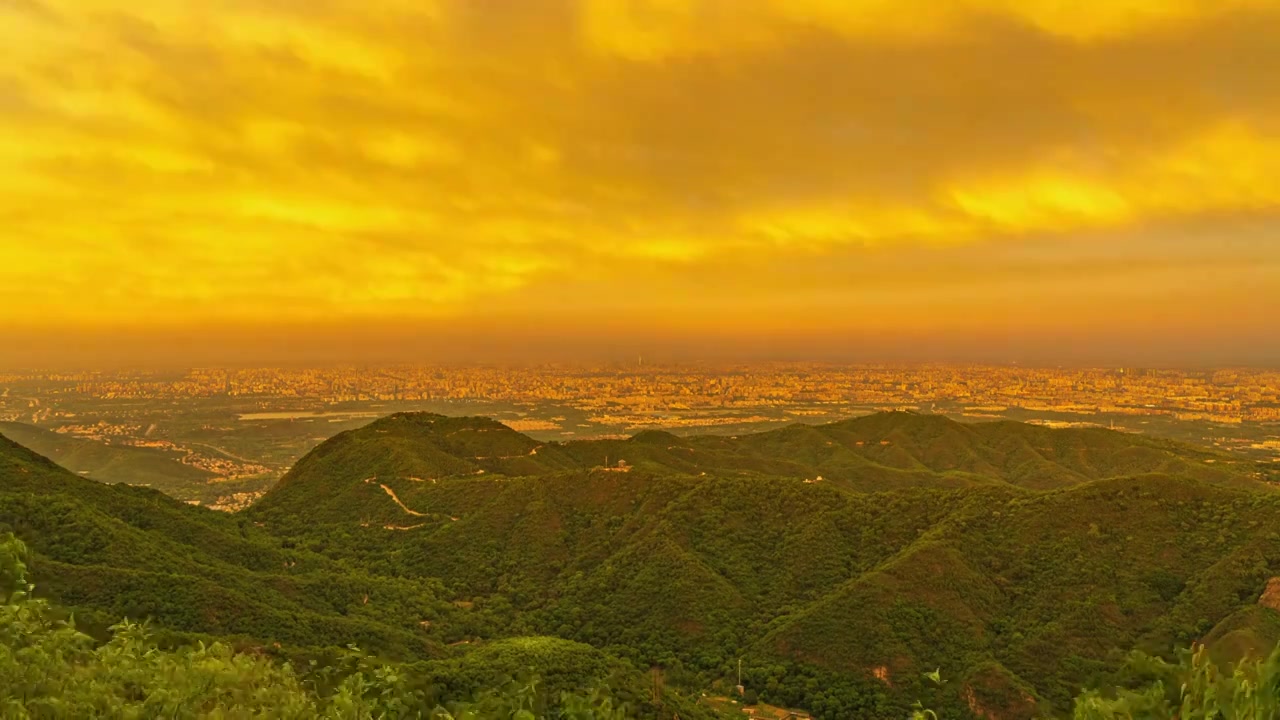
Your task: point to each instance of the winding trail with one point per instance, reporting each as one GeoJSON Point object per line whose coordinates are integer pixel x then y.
{"type": "Point", "coordinates": [403, 507]}
{"type": "Point", "coordinates": [396, 499]}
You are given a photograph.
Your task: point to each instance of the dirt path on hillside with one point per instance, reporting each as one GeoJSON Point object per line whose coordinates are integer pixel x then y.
{"type": "Point", "coordinates": [392, 494]}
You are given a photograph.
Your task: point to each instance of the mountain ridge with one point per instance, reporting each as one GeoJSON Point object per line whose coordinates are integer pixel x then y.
{"type": "Point", "coordinates": [883, 451]}
{"type": "Point", "coordinates": [910, 563]}
{"type": "Point", "coordinates": [838, 592]}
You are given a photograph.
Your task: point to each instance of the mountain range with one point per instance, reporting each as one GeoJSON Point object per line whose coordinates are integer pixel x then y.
{"type": "Point", "coordinates": [839, 562]}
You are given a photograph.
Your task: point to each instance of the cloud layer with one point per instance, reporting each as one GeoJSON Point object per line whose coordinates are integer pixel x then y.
{"type": "Point", "coordinates": [744, 163]}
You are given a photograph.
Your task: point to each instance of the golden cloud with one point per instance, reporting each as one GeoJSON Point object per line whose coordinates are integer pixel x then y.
{"type": "Point", "coordinates": [264, 160]}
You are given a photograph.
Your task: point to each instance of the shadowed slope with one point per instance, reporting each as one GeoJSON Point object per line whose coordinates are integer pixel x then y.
{"type": "Point", "coordinates": [110, 463]}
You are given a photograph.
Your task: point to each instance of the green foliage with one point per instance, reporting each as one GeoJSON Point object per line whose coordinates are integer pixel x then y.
{"type": "Point", "coordinates": [13, 565]}
{"type": "Point", "coordinates": [1193, 688]}
{"type": "Point", "coordinates": [1018, 562]}
{"type": "Point", "coordinates": [108, 552]}
{"type": "Point", "coordinates": [152, 467]}
{"type": "Point", "coordinates": [49, 670]}
{"type": "Point", "coordinates": [919, 711]}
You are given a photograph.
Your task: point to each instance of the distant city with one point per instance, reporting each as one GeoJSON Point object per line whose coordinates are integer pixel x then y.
{"type": "Point", "coordinates": [250, 425]}
{"type": "Point", "coordinates": [643, 396]}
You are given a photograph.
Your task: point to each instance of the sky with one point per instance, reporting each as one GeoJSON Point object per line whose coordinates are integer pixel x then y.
{"type": "Point", "coordinates": [331, 180]}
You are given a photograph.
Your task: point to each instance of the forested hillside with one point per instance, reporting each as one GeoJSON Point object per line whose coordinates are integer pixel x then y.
{"type": "Point", "coordinates": [109, 552]}
{"type": "Point", "coordinates": [150, 467]}
{"type": "Point", "coordinates": [882, 452]}
{"type": "Point", "coordinates": [840, 563]}
{"type": "Point", "coordinates": [50, 670]}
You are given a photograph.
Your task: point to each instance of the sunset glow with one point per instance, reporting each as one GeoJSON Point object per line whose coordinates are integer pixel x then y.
{"type": "Point", "coordinates": [671, 168]}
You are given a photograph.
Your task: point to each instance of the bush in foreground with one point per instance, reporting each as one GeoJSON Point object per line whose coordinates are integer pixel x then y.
{"type": "Point", "coordinates": [50, 670]}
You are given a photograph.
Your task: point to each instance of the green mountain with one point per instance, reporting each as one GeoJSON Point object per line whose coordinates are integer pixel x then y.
{"type": "Point", "coordinates": [106, 552]}
{"type": "Point", "coordinates": [1024, 561]}
{"type": "Point", "coordinates": [149, 467]}
{"type": "Point", "coordinates": [839, 562]}
{"type": "Point", "coordinates": [110, 551]}
{"type": "Point", "coordinates": [365, 470]}
{"type": "Point", "coordinates": [49, 669]}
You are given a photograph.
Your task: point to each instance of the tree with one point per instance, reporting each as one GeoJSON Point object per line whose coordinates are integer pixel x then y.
{"type": "Point", "coordinates": [13, 568]}
{"type": "Point", "coordinates": [50, 670]}
{"type": "Point", "coordinates": [1194, 688]}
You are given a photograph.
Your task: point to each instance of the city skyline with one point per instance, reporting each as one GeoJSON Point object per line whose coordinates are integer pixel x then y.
{"type": "Point", "coordinates": [258, 181]}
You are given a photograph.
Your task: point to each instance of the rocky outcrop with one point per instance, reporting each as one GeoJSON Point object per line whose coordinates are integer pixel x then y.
{"type": "Point", "coordinates": [1271, 596]}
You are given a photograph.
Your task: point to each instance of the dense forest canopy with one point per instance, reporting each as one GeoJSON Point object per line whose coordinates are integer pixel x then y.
{"type": "Point", "coordinates": [841, 564]}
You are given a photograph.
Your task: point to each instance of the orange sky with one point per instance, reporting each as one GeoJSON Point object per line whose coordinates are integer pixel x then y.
{"type": "Point", "coordinates": [978, 178]}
